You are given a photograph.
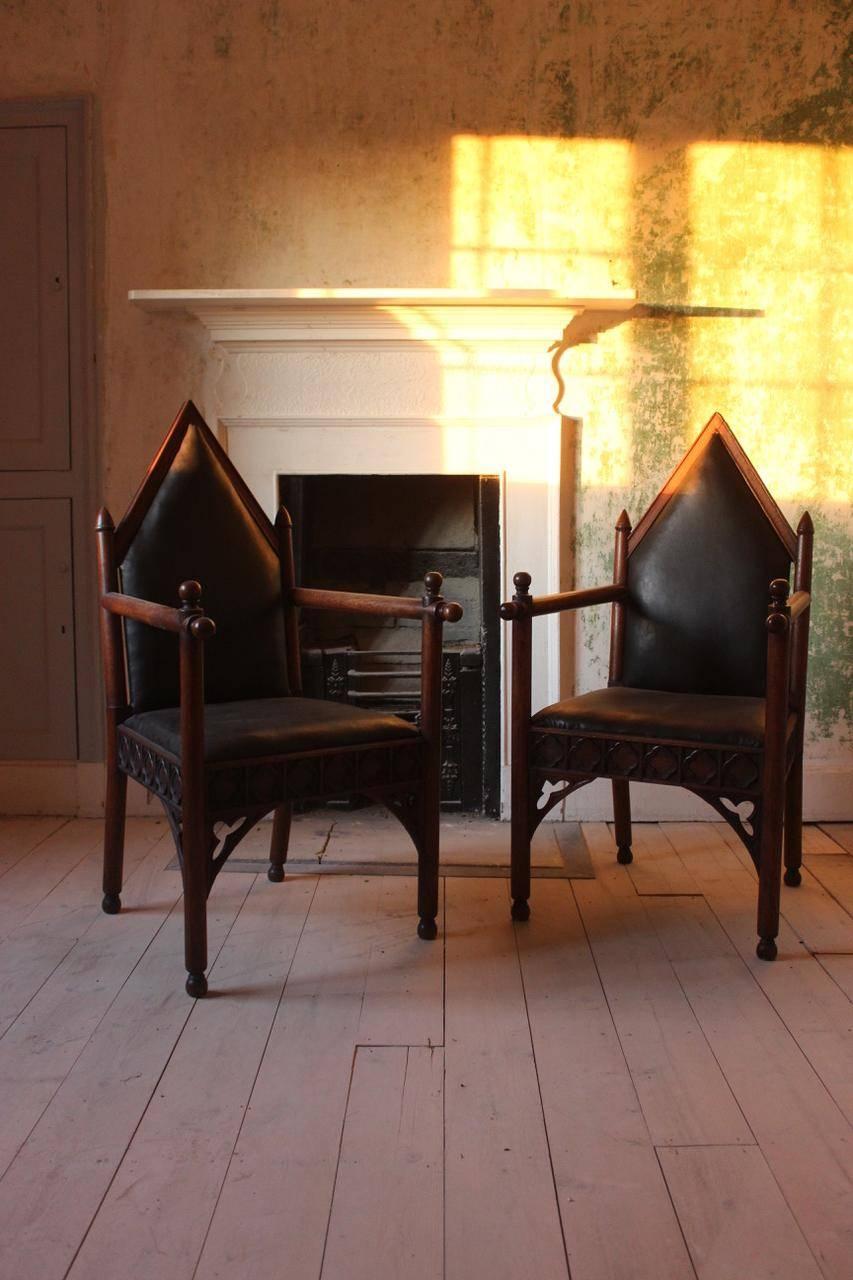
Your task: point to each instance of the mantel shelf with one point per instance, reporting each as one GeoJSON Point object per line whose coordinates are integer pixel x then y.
{"type": "Point", "coordinates": [243, 319]}
{"type": "Point", "coordinates": [198, 300]}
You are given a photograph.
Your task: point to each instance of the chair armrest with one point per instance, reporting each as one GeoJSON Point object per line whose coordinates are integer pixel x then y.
{"type": "Point", "coordinates": [378, 606]}
{"type": "Point", "coordinates": [537, 606]}
{"type": "Point", "coordinates": [161, 616]}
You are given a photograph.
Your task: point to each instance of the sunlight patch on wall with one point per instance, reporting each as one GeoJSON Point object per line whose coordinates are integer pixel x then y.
{"type": "Point", "coordinates": [769, 226]}
{"type": "Point", "coordinates": [546, 213]}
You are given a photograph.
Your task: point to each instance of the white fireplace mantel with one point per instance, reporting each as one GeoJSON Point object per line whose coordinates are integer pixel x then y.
{"type": "Point", "coordinates": [237, 318]}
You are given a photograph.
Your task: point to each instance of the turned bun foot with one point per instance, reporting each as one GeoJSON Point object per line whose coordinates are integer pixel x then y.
{"type": "Point", "coordinates": [111, 903]}
{"type": "Point", "coordinates": [624, 854]}
{"type": "Point", "coordinates": [520, 909]}
{"type": "Point", "coordinates": [427, 928]}
{"type": "Point", "coordinates": [196, 985]}
{"type": "Point", "coordinates": [766, 949]}
{"type": "Point", "coordinates": [275, 873]}
{"type": "Point", "coordinates": [793, 877]}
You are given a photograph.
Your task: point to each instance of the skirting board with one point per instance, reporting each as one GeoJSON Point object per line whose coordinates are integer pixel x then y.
{"type": "Point", "coordinates": [76, 789]}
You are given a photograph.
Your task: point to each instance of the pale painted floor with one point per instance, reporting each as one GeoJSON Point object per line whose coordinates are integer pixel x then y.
{"type": "Point", "coordinates": [616, 1089]}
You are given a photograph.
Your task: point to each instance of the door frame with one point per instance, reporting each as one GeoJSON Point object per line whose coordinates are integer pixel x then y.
{"type": "Point", "coordinates": [80, 482]}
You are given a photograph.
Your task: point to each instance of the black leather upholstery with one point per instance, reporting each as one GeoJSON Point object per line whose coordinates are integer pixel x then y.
{"type": "Point", "coordinates": [650, 713]}
{"type": "Point", "coordinates": [698, 583]}
{"type": "Point", "coordinates": [197, 527]}
{"type": "Point", "coordinates": [272, 727]}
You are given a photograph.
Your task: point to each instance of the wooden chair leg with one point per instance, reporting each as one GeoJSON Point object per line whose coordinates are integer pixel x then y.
{"type": "Point", "coordinates": [279, 842]}
{"type": "Point", "coordinates": [622, 820]}
{"type": "Point", "coordinates": [769, 878]}
{"type": "Point", "coordinates": [114, 815]}
{"type": "Point", "coordinates": [794, 823]}
{"type": "Point", "coordinates": [195, 848]}
{"type": "Point", "coordinates": [428, 864]}
{"type": "Point", "coordinates": [520, 852]}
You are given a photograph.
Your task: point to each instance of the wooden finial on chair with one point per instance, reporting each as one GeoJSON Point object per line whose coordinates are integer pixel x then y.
{"type": "Point", "coordinates": [190, 595]}
{"type": "Point", "coordinates": [778, 618]}
{"type": "Point", "coordinates": [432, 586]}
{"type": "Point", "coordinates": [521, 581]}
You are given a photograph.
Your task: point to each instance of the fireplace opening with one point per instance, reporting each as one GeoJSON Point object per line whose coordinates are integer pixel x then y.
{"type": "Point", "coordinates": [380, 534]}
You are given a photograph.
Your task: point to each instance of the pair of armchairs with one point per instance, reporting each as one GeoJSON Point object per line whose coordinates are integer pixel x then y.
{"type": "Point", "coordinates": [706, 686]}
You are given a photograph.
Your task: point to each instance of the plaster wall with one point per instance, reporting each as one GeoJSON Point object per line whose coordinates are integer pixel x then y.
{"type": "Point", "coordinates": [696, 153]}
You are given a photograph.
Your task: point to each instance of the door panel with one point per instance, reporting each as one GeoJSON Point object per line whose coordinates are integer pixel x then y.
{"type": "Point", "coordinates": [37, 691]}
{"type": "Point", "coordinates": [34, 331]}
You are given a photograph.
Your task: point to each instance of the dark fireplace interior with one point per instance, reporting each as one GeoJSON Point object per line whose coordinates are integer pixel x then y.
{"type": "Point", "coordinates": [381, 533]}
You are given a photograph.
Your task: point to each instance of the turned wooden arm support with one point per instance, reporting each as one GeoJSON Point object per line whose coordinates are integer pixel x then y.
{"type": "Point", "coordinates": [431, 604]}
{"type": "Point", "coordinates": [524, 606]}
{"type": "Point", "coordinates": [785, 609]}
{"type": "Point", "coordinates": [190, 617]}
{"type": "Point", "coordinates": [782, 680]}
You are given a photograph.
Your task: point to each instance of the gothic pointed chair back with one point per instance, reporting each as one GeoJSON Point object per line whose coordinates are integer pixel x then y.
{"type": "Point", "coordinates": [207, 712]}
{"type": "Point", "coordinates": [699, 566]}
{"type": "Point", "coordinates": [194, 518]}
{"type": "Point", "coordinates": [707, 669]}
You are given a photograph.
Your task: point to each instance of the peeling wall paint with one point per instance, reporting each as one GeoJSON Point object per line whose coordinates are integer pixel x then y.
{"type": "Point", "coordinates": [695, 153]}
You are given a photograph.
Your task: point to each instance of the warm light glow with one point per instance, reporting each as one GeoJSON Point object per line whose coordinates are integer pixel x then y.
{"type": "Point", "coordinates": [540, 213]}
{"type": "Point", "coordinates": [769, 226]}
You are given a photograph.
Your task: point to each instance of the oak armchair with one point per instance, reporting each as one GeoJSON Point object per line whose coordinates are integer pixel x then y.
{"type": "Point", "coordinates": [207, 712]}
{"type": "Point", "coordinates": [706, 690]}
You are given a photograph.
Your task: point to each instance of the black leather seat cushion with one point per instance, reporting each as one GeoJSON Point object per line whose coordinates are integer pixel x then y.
{"type": "Point", "coordinates": [650, 713]}
{"type": "Point", "coordinates": [272, 727]}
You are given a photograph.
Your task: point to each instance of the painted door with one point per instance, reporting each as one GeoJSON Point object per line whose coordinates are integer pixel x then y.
{"type": "Point", "coordinates": [34, 409]}
{"type": "Point", "coordinates": [37, 691]}
{"type": "Point", "coordinates": [38, 717]}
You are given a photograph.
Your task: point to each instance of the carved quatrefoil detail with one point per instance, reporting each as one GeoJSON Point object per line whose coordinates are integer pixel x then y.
{"type": "Point", "coordinates": [548, 751]}
{"type": "Point", "coordinates": [661, 763]}
{"type": "Point", "coordinates": [701, 767]}
{"type": "Point", "coordinates": [623, 758]}
{"type": "Point", "coordinates": [584, 755]}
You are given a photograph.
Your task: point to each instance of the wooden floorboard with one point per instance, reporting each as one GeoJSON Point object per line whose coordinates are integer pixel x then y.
{"type": "Point", "coordinates": [840, 969]}
{"type": "Point", "coordinates": [497, 1162]}
{"type": "Point", "coordinates": [735, 1218]}
{"type": "Point", "coordinates": [36, 948]}
{"type": "Point", "coordinates": [180, 1152]}
{"type": "Point", "coordinates": [803, 1135]}
{"type": "Point", "coordinates": [360, 976]}
{"type": "Point", "coordinates": [683, 1092]}
{"type": "Point", "coordinates": [835, 875]}
{"type": "Point", "coordinates": [388, 1203]}
{"type": "Point", "coordinates": [616, 1089]}
{"type": "Point", "coordinates": [818, 920]}
{"type": "Point", "coordinates": [657, 868]}
{"type": "Point", "coordinates": [840, 833]}
{"type": "Point", "coordinates": [804, 995]}
{"type": "Point", "coordinates": [19, 836]}
{"type": "Point", "coordinates": [53, 1188]}
{"type": "Point", "coordinates": [617, 1215]}
{"type": "Point", "coordinates": [44, 868]}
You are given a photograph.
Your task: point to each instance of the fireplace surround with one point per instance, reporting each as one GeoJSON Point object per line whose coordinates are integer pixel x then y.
{"type": "Point", "coordinates": [398, 383]}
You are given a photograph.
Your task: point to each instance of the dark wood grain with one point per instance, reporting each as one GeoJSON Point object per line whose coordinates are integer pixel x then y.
{"type": "Point", "coordinates": [617, 613]}
{"type": "Point", "coordinates": [539, 606]}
